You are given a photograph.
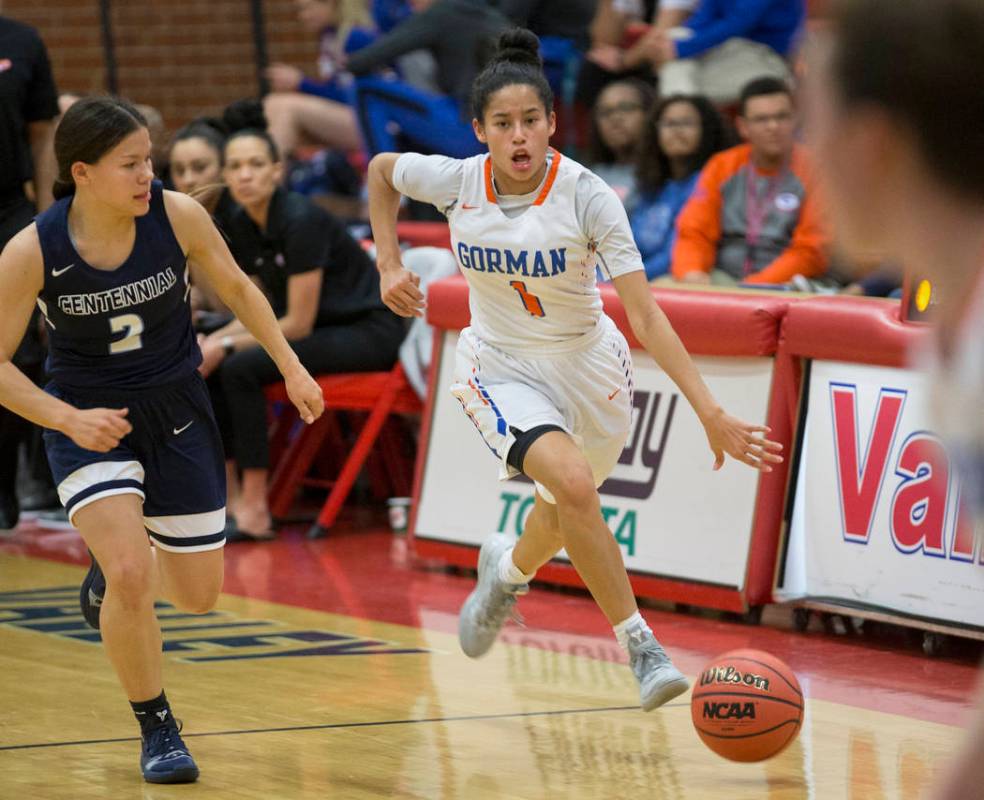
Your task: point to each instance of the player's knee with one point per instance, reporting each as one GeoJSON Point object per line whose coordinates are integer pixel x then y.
{"type": "Point", "coordinates": [199, 596]}
{"type": "Point", "coordinates": [574, 489]}
{"type": "Point", "coordinates": [130, 580]}
{"type": "Point", "coordinates": [200, 602]}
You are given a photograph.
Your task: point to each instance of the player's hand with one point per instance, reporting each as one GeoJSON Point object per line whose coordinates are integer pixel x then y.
{"type": "Point", "coordinates": [305, 393]}
{"type": "Point", "coordinates": [98, 429]}
{"type": "Point", "coordinates": [401, 293]}
{"type": "Point", "coordinates": [741, 441]}
{"type": "Point", "coordinates": [283, 77]}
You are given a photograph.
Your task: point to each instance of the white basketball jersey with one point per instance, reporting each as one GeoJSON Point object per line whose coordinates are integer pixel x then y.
{"type": "Point", "coordinates": [531, 277]}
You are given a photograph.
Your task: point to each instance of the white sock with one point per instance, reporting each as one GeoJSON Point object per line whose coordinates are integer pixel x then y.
{"type": "Point", "coordinates": [634, 624]}
{"type": "Point", "coordinates": [509, 572]}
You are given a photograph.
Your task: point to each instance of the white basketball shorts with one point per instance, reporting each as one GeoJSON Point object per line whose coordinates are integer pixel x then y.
{"type": "Point", "coordinates": [586, 391]}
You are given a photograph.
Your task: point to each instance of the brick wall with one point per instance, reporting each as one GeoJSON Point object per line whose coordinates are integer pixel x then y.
{"type": "Point", "coordinates": [186, 57]}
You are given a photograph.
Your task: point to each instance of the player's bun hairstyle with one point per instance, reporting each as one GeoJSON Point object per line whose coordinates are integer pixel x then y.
{"type": "Point", "coordinates": [211, 130]}
{"type": "Point", "coordinates": [88, 130]}
{"type": "Point", "coordinates": [916, 61]}
{"type": "Point", "coordinates": [516, 61]}
{"type": "Point", "coordinates": [246, 118]}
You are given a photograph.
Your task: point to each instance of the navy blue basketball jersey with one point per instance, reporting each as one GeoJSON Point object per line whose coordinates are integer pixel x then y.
{"type": "Point", "coordinates": [127, 328]}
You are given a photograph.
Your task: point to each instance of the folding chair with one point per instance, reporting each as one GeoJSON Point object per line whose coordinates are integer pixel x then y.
{"type": "Point", "coordinates": [379, 393]}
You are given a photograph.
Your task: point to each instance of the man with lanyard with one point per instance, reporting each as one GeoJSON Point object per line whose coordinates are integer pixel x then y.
{"type": "Point", "coordinates": [28, 106]}
{"type": "Point", "coordinates": [753, 217]}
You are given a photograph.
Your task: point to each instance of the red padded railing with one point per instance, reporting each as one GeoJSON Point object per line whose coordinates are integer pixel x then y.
{"type": "Point", "coordinates": [709, 323]}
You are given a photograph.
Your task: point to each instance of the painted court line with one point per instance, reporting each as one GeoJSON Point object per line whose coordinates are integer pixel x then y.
{"type": "Point", "coordinates": [333, 725]}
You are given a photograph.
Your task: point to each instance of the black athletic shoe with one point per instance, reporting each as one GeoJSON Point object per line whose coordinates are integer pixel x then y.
{"type": "Point", "coordinates": [92, 593]}
{"type": "Point", "coordinates": [9, 510]}
{"type": "Point", "coordinates": [164, 757]}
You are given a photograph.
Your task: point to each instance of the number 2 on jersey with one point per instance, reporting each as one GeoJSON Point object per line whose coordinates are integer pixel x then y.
{"type": "Point", "coordinates": [530, 301]}
{"type": "Point", "coordinates": [132, 326]}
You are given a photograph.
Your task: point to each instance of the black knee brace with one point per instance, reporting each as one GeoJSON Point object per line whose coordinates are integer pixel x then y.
{"type": "Point", "coordinates": [524, 441]}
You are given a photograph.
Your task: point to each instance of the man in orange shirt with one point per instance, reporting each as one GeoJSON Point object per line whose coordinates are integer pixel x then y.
{"type": "Point", "coordinates": [753, 217]}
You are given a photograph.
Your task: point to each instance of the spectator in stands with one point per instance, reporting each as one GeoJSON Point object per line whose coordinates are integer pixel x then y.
{"type": "Point", "coordinates": [323, 288]}
{"type": "Point", "coordinates": [754, 215]}
{"type": "Point", "coordinates": [562, 27]}
{"type": "Point", "coordinates": [195, 156]}
{"type": "Point", "coordinates": [619, 119]}
{"type": "Point", "coordinates": [460, 35]}
{"type": "Point", "coordinates": [28, 107]}
{"type": "Point", "coordinates": [305, 110]}
{"type": "Point", "coordinates": [564, 19]}
{"type": "Point", "coordinates": [725, 44]}
{"type": "Point", "coordinates": [387, 14]}
{"type": "Point", "coordinates": [621, 42]}
{"type": "Point", "coordinates": [680, 135]}
{"type": "Point", "coordinates": [195, 160]}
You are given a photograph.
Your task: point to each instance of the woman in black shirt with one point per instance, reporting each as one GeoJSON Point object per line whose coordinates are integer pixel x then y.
{"type": "Point", "coordinates": [28, 106]}
{"type": "Point", "coordinates": [324, 290]}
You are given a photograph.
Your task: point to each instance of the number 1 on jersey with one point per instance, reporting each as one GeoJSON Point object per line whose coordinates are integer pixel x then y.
{"type": "Point", "coordinates": [530, 301]}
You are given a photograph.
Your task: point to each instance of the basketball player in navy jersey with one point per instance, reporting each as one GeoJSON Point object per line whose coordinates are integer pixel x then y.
{"type": "Point", "coordinates": [129, 430]}
{"type": "Point", "coordinates": [897, 118]}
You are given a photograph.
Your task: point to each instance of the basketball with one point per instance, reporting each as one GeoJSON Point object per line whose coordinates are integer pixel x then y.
{"type": "Point", "coordinates": [747, 705]}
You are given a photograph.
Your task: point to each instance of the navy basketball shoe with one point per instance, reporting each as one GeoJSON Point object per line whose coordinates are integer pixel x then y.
{"type": "Point", "coordinates": [164, 758]}
{"type": "Point", "coordinates": [92, 593]}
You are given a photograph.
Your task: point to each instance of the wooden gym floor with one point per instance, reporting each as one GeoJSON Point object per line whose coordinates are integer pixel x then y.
{"type": "Point", "coordinates": [331, 669]}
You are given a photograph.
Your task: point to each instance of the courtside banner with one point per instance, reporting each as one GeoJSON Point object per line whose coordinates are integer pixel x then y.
{"type": "Point", "coordinates": [671, 513]}
{"type": "Point", "coordinates": [877, 517]}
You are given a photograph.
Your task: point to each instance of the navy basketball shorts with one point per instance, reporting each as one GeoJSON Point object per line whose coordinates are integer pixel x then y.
{"type": "Point", "coordinates": [172, 460]}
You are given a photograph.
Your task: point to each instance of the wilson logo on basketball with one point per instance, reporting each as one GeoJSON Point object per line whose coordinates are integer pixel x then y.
{"type": "Point", "coordinates": [742, 715]}
{"type": "Point", "coordinates": [732, 675]}
{"type": "Point", "coordinates": [729, 710]}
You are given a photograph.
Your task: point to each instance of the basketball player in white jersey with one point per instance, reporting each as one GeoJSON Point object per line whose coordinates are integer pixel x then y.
{"type": "Point", "coordinates": [897, 117]}
{"type": "Point", "coordinates": [545, 376]}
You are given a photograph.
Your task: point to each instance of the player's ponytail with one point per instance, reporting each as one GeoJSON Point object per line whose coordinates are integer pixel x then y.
{"type": "Point", "coordinates": [516, 61]}
{"type": "Point", "coordinates": [88, 130]}
{"type": "Point", "coordinates": [246, 118]}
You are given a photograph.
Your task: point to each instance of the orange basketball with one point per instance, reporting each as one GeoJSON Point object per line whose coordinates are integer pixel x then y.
{"type": "Point", "coordinates": [747, 705]}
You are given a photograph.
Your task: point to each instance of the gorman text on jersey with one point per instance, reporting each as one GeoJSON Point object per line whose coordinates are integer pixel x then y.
{"type": "Point", "coordinates": [529, 263]}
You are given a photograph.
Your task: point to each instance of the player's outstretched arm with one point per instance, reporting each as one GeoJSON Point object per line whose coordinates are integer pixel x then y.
{"type": "Point", "coordinates": [397, 285]}
{"type": "Point", "coordinates": [204, 245]}
{"type": "Point", "coordinates": [725, 434]}
{"type": "Point", "coordinates": [21, 281]}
